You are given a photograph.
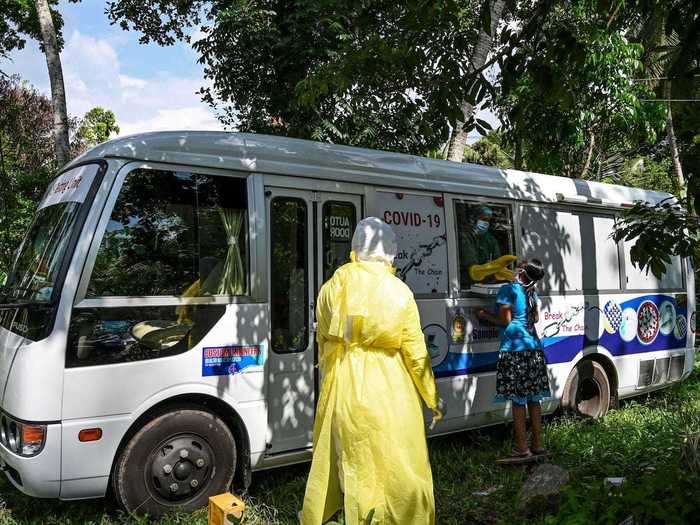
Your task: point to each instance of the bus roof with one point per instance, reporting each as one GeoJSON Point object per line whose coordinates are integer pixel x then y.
{"type": "Point", "coordinates": [295, 157]}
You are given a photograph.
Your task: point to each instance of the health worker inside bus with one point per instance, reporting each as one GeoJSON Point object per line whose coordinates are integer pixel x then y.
{"type": "Point", "coordinates": [485, 236]}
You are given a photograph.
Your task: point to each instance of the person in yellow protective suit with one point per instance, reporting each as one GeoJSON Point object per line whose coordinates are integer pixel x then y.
{"type": "Point", "coordinates": [370, 452]}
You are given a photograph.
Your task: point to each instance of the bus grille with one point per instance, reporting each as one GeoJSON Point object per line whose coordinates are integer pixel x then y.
{"type": "Point", "coordinates": [675, 369]}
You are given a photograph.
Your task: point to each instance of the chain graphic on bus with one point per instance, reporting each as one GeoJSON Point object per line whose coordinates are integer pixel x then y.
{"type": "Point", "coordinates": [418, 254]}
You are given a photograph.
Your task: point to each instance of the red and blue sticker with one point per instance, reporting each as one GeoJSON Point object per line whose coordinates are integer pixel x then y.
{"type": "Point", "coordinates": [229, 360]}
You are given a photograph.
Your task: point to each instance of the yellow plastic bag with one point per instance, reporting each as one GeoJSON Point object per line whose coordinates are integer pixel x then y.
{"type": "Point", "coordinates": [497, 268]}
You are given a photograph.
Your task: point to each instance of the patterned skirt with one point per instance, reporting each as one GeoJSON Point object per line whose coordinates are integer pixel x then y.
{"type": "Point", "coordinates": [521, 377]}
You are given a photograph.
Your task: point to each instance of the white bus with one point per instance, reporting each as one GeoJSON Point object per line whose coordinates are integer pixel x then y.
{"type": "Point", "coordinates": [157, 326]}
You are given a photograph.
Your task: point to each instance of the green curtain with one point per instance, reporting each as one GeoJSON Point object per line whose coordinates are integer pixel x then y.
{"type": "Point", "coordinates": [233, 281]}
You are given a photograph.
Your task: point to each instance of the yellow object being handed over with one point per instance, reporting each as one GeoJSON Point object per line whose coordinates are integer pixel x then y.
{"type": "Point", "coordinates": [497, 268]}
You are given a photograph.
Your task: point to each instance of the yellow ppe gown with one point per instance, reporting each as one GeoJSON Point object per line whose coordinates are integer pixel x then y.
{"type": "Point", "coordinates": [369, 440]}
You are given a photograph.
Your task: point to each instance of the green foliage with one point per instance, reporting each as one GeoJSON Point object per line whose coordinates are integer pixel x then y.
{"type": "Point", "coordinates": [18, 20]}
{"type": "Point", "coordinates": [667, 496]}
{"type": "Point", "coordinates": [389, 75]}
{"type": "Point", "coordinates": [96, 126]}
{"type": "Point", "coordinates": [490, 151]}
{"type": "Point", "coordinates": [27, 160]}
{"type": "Point", "coordinates": [651, 172]}
{"type": "Point", "coordinates": [27, 156]}
{"type": "Point", "coordinates": [661, 231]}
{"type": "Point", "coordinates": [569, 97]}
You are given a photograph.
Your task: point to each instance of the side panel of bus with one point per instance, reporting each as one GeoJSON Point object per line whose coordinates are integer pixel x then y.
{"type": "Point", "coordinates": [145, 328]}
{"type": "Point", "coordinates": [594, 303]}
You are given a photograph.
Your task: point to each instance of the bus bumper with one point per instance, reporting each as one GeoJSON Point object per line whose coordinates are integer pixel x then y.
{"type": "Point", "coordinates": [40, 475]}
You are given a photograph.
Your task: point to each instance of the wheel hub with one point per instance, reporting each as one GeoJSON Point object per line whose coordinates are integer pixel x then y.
{"type": "Point", "coordinates": [179, 467]}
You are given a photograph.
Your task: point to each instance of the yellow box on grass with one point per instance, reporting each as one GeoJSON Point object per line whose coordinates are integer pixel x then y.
{"type": "Point", "coordinates": [223, 506]}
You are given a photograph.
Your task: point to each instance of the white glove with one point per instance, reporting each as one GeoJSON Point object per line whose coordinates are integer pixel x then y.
{"type": "Point", "coordinates": [438, 413]}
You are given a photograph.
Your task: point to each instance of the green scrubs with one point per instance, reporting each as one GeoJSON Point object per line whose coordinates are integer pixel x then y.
{"type": "Point", "coordinates": [476, 249]}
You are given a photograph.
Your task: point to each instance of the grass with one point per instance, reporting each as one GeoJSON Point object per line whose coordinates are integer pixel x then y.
{"type": "Point", "coordinates": [642, 441]}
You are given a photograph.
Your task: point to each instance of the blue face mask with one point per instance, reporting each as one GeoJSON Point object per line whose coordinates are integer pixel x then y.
{"type": "Point", "coordinates": [481, 227]}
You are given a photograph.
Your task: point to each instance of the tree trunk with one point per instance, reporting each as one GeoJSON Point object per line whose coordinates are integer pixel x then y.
{"type": "Point", "coordinates": [518, 157]}
{"type": "Point", "coordinates": [589, 156]}
{"type": "Point", "coordinates": [672, 144]}
{"type": "Point", "coordinates": [58, 91]}
{"type": "Point", "coordinates": [458, 140]}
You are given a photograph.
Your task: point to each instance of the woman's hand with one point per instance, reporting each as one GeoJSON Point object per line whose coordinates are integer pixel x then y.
{"type": "Point", "coordinates": [503, 317]}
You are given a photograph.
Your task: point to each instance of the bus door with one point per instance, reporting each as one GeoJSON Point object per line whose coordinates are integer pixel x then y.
{"type": "Point", "coordinates": [309, 237]}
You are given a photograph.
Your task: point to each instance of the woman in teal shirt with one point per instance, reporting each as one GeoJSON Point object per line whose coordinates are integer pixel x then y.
{"type": "Point", "coordinates": [521, 374]}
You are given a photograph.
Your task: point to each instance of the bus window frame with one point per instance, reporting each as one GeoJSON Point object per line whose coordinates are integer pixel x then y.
{"type": "Point", "coordinates": [252, 252]}
{"type": "Point", "coordinates": [309, 271]}
{"type": "Point", "coordinates": [356, 212]}
{"type": "Point", "coordinates": [456, 290]}
{"type": "Point", "coordinates": [577, 209]}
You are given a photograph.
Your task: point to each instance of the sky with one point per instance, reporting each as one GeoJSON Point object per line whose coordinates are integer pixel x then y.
{"type": "Point", "coordinates": [148, 87]}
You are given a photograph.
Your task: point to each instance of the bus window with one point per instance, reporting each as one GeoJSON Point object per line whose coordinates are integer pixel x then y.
{"type": "Point", "coordinates": [484, 233]}
{"type": "Point", "coordinates": [601, 263]}
{"type": "Point", "coordinates": [288, 274]}
{"type": "Point", "coordinates": [637, 279]}
{"type": "Point", "coordinates": [174, 233]}
{"type": "Point", "coordinates": [338, 227]}
{"type": "Point", "coordinates": [554, 237]}
{"type": "Point", "coordinates": [101, 336]}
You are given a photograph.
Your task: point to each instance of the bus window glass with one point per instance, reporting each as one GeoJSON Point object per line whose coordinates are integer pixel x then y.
{"type": "Point", "coordinates": [484, 233]}
{"type": "Point", "coordinates": [34, 271]}
{"type": "Point", "coordinates": [419, 224]}
{"type": "Point", "coordinates": [638, 279]}
{"type": "Point", "coordinates": [288, 275]}
{"type": "Point", "coordinates": [554, 237]}
{"type": "Point", "coordinates": [100, 336]}
{"type": "Point", "coordinates": [174, 233]}
{"type": "Point", "coordinates": [601, 261]}
{"type": "Point", "coordinates": [338, 227]}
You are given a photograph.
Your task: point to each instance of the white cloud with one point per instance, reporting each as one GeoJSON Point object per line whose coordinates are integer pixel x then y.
{"type": "Point", "coordinates": [126, 81]}
{"type": "Point", "coordinates": [94, 76]}
{"type": "Point", "coordinates": [196, 117]}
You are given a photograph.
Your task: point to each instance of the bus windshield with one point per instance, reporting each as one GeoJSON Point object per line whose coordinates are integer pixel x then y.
{"type": "Point", "coordinates": [34, 272]}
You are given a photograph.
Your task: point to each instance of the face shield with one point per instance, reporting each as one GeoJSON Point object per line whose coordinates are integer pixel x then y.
{"type": "Point", "coordinates": [374, 240]}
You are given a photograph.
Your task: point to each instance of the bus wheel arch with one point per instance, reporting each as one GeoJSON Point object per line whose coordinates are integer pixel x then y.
{"type": "Point", "coordinates": [196, 401]}
{"type": "Point", "coordinates": [591, 388]}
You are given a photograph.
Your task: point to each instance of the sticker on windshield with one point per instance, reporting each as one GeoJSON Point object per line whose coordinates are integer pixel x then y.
{"type": "Point", "coordinates": [229, 360]}
{"type": "Point", "coordinates": [72, 186]}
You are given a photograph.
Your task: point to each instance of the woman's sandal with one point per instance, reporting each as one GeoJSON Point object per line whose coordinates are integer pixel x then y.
{"type": "Point", "coordinates": [516, 458]}
{"type": "Point", "coordinates": [541, 453]}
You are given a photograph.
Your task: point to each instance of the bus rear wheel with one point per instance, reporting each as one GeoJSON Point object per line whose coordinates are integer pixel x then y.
{"type": "Point", "coordinates": [587, 391]}
{"type": "Point", "coordinates": [175, 462]}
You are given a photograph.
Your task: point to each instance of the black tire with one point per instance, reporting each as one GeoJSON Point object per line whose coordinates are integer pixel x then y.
{"type": "Point", "coordinates": [190, 449]}
{"type": "Point", "coordinates": [587, 391]}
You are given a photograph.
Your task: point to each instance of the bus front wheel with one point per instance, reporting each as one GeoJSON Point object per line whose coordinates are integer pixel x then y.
{"type": "Point", "coordinates": [175, 461]}
{"type": "Point", "coordinates": [587, 391]}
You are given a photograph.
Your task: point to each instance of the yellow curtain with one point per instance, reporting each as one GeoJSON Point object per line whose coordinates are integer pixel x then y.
{"type": "Point", "coordinates": [233, 280]}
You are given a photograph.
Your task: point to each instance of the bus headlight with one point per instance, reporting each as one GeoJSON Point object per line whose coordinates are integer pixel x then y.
{"type": "Point", "coordinates": [24, 439]}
